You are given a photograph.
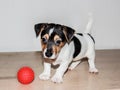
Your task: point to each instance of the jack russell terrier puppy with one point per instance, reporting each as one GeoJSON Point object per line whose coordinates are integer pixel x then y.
{"type": "Point", "coordinates": [61, 45]}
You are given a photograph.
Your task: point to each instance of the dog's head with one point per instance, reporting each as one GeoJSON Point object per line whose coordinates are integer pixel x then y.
{"type": "Point", "coordinates": [53, 38]}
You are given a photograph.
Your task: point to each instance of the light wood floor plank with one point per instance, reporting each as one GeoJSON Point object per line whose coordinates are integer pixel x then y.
{"type": "Point", "coordinates": [107, 62]}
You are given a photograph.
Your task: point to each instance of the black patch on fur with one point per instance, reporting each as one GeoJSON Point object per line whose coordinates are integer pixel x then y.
{"type": "Point", "coordinates": [37, 29]}
{"type": "Point", "coordinates": [57, 31]}
{"type": "Point", "coordinates": [91, 37]}
{"type": "Point", "coordinates": [77, 46]}
{"type": "Point", "coordinates": [69, 32]}
{"type": "Point", "coordinates": [80, 34]}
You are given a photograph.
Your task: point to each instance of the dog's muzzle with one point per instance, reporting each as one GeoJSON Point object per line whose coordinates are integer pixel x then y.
{"type": "Point", "coordinates": [49, 56]}
{"type": "Point", "coordinates": [48, 53]}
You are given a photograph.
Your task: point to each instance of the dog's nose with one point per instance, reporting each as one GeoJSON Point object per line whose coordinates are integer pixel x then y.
{"type": "Point", "coordinates": [49, 53]}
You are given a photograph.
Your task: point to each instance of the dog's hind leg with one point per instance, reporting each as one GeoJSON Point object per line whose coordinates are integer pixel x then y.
{"type": "Point", "coordinates": [91, 62]}
{"type": "Point", "coordinates": [74, 64]}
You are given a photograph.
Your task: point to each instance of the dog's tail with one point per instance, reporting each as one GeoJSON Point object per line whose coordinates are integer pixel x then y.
{"type": "Point", "coordinates": [89, 24]}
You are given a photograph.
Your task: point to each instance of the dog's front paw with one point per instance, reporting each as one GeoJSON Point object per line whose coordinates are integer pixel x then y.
{"type": "Point", "coordinates": [44, 76]}
{"type": "Point", "coordinates": [57, 79]}
{"type": "Point", "coordinates": [93, 70]}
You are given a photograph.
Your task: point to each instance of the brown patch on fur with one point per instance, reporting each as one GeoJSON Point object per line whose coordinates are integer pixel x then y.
{"type": "Point", "coordinates": [56, 37]}
{"type": "Point", "coordinates": [57, 49]}
{"type": "Point", "coordinates": [44, 45]}
{"type": "Point", "coordinates": [46, 36]}
{"type": "Point", "coordinates": [42, 28]}
{"type": "Point", "coordinates": [65, 33]}
{"type": "Point", "coordinates": [60, 46]}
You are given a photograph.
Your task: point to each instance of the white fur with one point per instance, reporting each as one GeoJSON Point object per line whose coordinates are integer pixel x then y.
{"type": "Point", "coordinates": [73, 65]}
{"type": "Point", "coordinates": [89, 24]}
{"type": "Point", "coordinates": [51, 31]}
{"type": "Point", "coordinates": [46, 73]}
{"type": "Point", "coordinates": [65, 57]}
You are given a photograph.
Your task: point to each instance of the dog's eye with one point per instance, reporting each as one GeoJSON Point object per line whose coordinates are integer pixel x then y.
{"type": "Point", "coordinates": [44, 40]}
{"type": "Point", "coordinates": [57, 42]}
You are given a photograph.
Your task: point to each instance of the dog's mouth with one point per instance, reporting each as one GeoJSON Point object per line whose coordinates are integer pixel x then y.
{"type": "Point", "coordinates": [49, 60]}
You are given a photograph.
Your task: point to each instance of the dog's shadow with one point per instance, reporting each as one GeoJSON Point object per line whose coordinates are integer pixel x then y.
{"type": "Point", "coordinates": [82, 60]}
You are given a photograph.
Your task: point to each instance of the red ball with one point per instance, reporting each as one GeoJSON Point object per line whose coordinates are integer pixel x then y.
{"type": "Point", "coordinates": [25, 75]}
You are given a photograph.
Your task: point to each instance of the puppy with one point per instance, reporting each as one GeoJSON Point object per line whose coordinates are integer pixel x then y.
{"type": "Point", "coordinates": [61, 45]}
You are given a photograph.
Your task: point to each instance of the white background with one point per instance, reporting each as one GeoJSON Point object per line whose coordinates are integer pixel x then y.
{"type": "Point", "coordinates": [17, 19]}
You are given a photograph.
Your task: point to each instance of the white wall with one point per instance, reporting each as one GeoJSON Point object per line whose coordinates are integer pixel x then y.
{"type": "Point", "coordinates": [17, 19]}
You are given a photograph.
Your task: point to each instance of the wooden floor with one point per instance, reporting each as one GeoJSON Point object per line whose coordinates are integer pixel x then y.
{"type": "Point", "coordinates": [107, 62]}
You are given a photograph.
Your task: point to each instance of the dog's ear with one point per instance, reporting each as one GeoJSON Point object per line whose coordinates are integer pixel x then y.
{"type": "Point", "coordinates": [69, 32]}
{"type": "Point", "coordinates": [39, 27]}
